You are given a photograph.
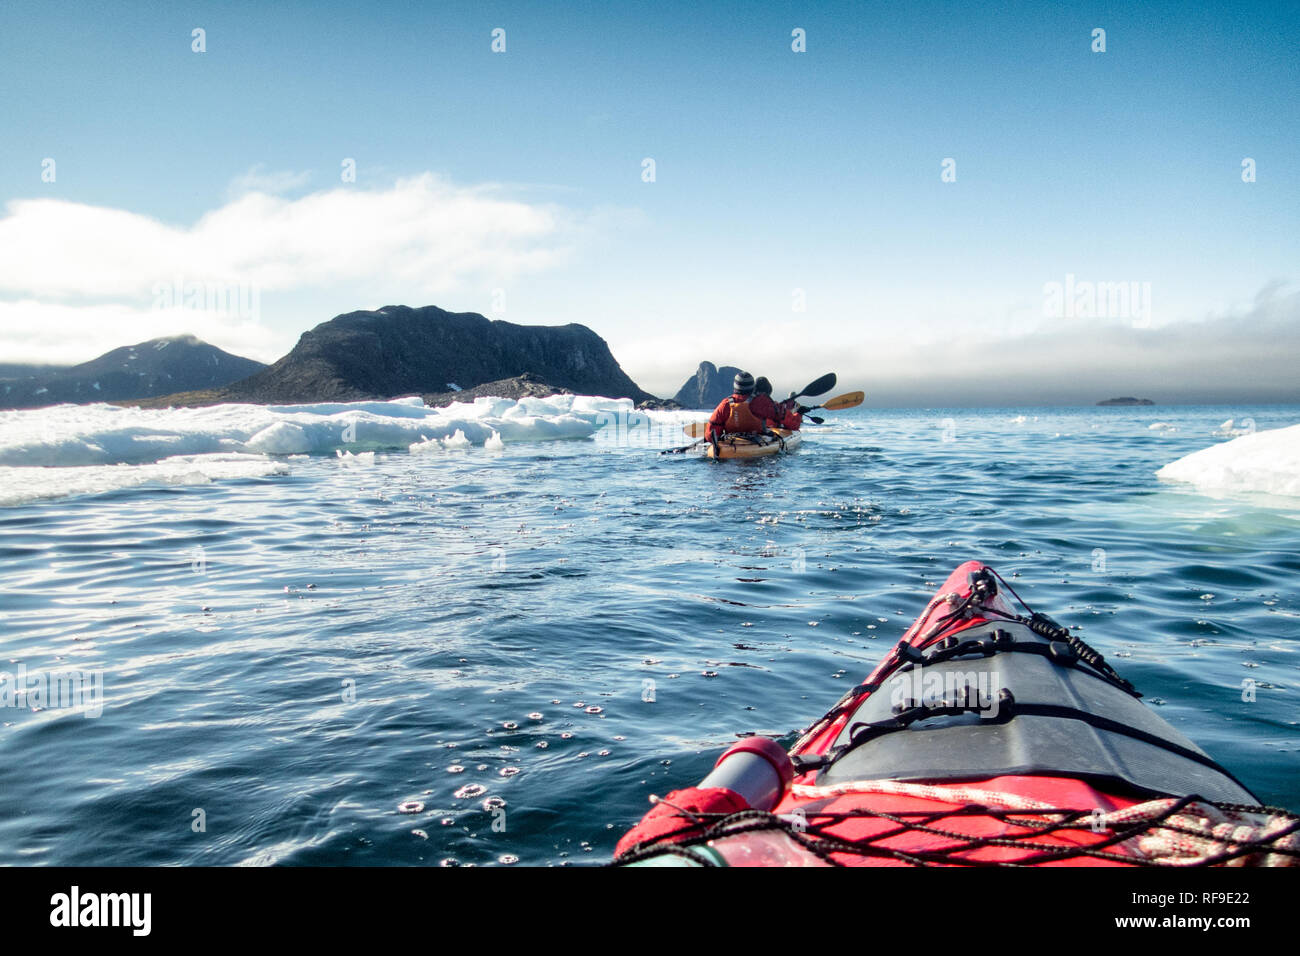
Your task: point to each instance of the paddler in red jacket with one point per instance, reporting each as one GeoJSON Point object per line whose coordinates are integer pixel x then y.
{"type": "Point", "coordinates": [776, 414]}
{"type": "Point", "coordinates": [735, 416]}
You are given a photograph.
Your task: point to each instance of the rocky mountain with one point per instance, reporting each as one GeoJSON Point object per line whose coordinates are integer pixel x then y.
{"type": "Point", "coordinates": [707, 387]}
{"type": "Point", "coordinates": [398, 350]}
{"type": "Point", "coordinates": [157, 367]}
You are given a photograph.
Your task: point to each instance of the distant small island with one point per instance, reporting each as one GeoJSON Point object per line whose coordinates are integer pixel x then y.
{"type": "Point", "coordinates": [1127, 400]}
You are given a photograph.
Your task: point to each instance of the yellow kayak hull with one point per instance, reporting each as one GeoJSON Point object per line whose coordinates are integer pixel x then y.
{"type": "Point", "coordinates": [744, 446]}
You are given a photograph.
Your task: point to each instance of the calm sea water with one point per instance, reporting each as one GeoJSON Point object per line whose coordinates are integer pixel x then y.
{"type": "Point", "coordinates": [443, 631]}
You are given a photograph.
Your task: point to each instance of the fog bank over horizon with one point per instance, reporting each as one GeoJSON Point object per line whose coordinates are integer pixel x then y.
{"type": "Point", "coordinates": [1252, 356]}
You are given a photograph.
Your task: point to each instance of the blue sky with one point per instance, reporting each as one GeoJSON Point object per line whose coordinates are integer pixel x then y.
{"type": "Point", "coordinates": [775, 171]}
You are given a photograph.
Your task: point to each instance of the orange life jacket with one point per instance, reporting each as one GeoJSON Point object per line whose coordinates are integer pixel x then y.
{"type": "Point", "coordinates": [741, 419]}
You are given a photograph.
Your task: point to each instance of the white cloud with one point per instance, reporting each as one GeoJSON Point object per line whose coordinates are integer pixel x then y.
{"type": "Point", "coordinates": [421, 230]}
{"type": "Point", "coordinates": [103, 268]}
{"type": "Point", "coordinates": [60, 334]}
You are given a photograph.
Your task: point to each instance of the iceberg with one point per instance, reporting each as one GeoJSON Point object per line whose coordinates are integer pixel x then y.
{"type": "Point", "coordinates": [103, 434]}
{"type": "Point", "coordinates": [1263, 462]}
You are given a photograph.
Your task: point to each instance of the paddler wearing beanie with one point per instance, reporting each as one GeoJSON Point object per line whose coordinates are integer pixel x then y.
{"type": "Point", "coordinates": [734, 416]}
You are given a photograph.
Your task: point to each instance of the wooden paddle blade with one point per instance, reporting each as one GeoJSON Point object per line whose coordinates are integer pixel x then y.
{"type": "Point", "coordinates": [695, 429]}
{"type": "Point", "coordinates": [840, 402]}
{"type": "Point", "coordinates": [819, 387]}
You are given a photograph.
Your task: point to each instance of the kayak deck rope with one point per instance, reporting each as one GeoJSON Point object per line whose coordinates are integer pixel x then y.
{"type": "Point", "coordinates": [1061, 652]}
{"type": "Point", "coordinates": [751, 438]}
{"type": "Point", "coordinates": [1044, 626]}
{"type": "Point", "coordinates": [1186, 831]}
{"type": "Point", "coordinates": [1165, 832]}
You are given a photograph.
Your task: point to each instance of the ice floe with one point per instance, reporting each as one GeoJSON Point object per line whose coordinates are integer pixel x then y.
{"type": "Point", "coordinates": [75, 449]}
{"type": "Point", "coordinates": [1263, 462]}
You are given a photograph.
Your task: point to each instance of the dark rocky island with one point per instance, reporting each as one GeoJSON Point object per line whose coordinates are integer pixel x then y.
{"type": "Point", "coordinates": [398, 351]}
{"type": "Point", "coordinates": [707, 387]}
{"type": "Point", "coordinates": [1127, 400]}
{"type": "Point", "coordinates": [157, 367]}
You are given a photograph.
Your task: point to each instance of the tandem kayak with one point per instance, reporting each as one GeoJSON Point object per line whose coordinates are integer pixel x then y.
{"type": "Point", "coordinates": [986, 737]}
{"type": "Point", "coordinates": [754, 446]}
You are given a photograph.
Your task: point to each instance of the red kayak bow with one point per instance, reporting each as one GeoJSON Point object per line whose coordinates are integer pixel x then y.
{"type": "Point", "coordinates": [985, 737]}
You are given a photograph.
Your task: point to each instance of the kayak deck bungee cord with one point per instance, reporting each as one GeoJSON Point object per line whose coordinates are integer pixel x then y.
{"type": "Point", "coordinates": [985, 737]}
{"type": "Point", "coordinates": [754, 446]}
